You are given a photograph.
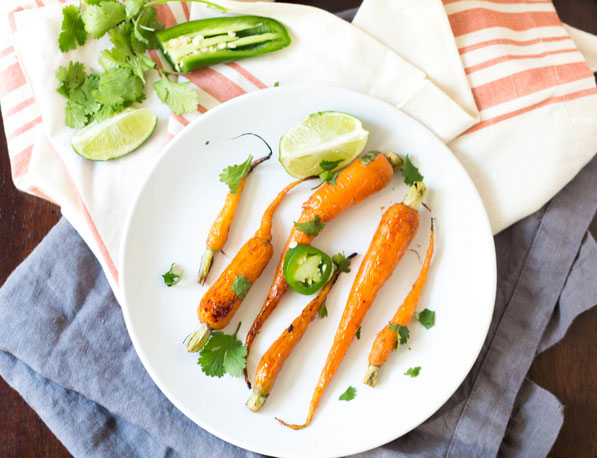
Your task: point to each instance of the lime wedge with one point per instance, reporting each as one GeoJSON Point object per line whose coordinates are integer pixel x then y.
{"type": "Point", "coordinates": [328, 135]}
{"type": "Point", "coordinates": [116, 136]}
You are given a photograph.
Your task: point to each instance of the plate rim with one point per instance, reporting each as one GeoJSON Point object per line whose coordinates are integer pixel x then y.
{"type": "Point", "coordinates": [223, 435]}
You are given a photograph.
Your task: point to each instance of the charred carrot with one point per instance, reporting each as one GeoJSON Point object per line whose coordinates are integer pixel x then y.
{"type": "Point", "coordinates": [220, 303]}
{"type": "Point", "coordinates": [394, 234]}
{"type": "Point", "coordinates": [274, 358]}
{"type": "Point", "coordinates": [362, 178]}
{"type": "Point", "coordinates": [218, 234]}
{"type": "Point", "coordinates": [387, 339]}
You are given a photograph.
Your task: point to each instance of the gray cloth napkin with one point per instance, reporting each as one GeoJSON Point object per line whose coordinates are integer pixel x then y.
{"type": "Point", "coordinates": [64, 347]}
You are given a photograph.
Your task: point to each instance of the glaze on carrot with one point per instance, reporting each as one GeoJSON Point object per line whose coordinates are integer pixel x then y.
{"type": "Point", "coordinates": [394, 234]}
{"type": "Point", "coordinates": [353, 185]}
{"type": "Point", "coordinates": [220, 303]}
{"type": "Point", "coordinates": [218, 233]}
{"type": "Point", "coordinates": [387, 339]}
{"type": "Point", "coordinates": [274, 358]}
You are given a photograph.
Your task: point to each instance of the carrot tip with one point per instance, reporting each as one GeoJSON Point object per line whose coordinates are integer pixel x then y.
{"type": "Point", "coordinates": [295, 427]}
{"type": "Point", "coordinates": [371, 375]}
{"type": "Point", "coordinates": [256, 400]}
{"type": "Point", "coordinates": [198, 338]}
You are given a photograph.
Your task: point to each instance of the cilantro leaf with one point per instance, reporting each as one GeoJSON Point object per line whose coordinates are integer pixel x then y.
{"type": "Point", "coordinates": [132, 7]}
{"type": "Point", "coordinates": [75, 115]}
{"type": "Point", "coordinates": [70, 78]}
{"type": "Point", "coordinates": [102, 17]}
{"type": "Point", "coordinates": [329, 165]}
{"type": "Point", "coordinates": [426, 318]}
{"type": "Point", "coordinates": [368, 157]}
{"type": "Point", "coordinates": [241, 286]}
{"type": "Point", "coordinates": [410, 173]}
{"type": "Point", "coordinates": [341, 262]}
{"type": "Point", "coordinates": [233, 174]}
{"type": "Point", "coordinates": [83, 95]}
{"type": "Point", "coordinates": [413, 371]}
{"type": "Point", "coordinates": [73, 31]}
{"type": "Point", "coordinates": [179, 96]}
{"type": "Point", "coordinates": [329, 177]}
{"type": "Point", "coordinates": [349, 394]}
{"type": "Point", "coordinates": [223, 354]}
{"type": "Point", "coordinates": [119, 86]}
{"type": "Point", "coordinates": [171, 278]}
{"type": "Point", "coordinates": [144, 28]}
{"type": "Point", "coordinates": [323, 311]}
{"type": "Point", "coordinates": [276, 84]}
{"type": "Point", "coordinates": [403, 334]}
{"type": "Point", "coordinates": [310, 228]}
{"type": "Point", "coordinates": [359, 333]}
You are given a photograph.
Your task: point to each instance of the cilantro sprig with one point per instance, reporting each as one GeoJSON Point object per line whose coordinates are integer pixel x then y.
{"type": "Point", "coordinates": [323, 311]}
{"type": "Point", "coordinates": [409, 172]}
{"type": "Point", "coordinates": [368, 157]}
{"type": "Point", "coordinates": [241, 286]}
{"type": "Point", "coordinates": [349, 394]}
{"type": "Point", "coordinates": [413, 371]}
{"type": "Point", "coordinates": [426, 318]}
{"type": "Point", "coordinates": [403, 334]}
{"type": "Point", "coordinates": [171, 278]}
{"type": "Point", "coordinates": [223, 354]}
{"type": "Point", "coordinates": [310, 228]}
{"type": "Point", "coordinates": [341, 262]}
{"type": "Point", "coordinates": [233, 174]}
{"type": "Point", "coordinates": [327, 175]}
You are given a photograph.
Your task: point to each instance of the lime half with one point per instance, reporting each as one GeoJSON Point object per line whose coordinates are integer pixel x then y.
{"type": "Point", "coordinates": [328, 135]}
{"type": "Point", "coordinates": [116, 136]}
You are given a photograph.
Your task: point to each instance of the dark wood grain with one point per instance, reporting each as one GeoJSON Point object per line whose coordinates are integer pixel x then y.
{"type": "Point", "coordinates": [569, 369]}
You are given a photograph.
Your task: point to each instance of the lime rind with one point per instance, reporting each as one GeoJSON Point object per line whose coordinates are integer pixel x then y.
{"type": "Point", "coordinates": [116, 136]}
{"type": "Point", "coordinates": [328, 135]}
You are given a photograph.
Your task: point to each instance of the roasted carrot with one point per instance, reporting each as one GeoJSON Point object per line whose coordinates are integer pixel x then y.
{"type": "Point", "coordinates": [387, 339]}
{"type": "Point", "coordinates": [220, 303]}
{"type": "Point", "coordinates": [274, 358]}
{"type": "Point", "coordinates": [354, 184]}
{"type": "Point", "coordinates": [394, 234]}
{"type": "Point", "coordinates": [218, 234]}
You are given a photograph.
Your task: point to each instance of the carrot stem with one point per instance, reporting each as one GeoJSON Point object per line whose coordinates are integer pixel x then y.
{"type": "Point", "coordinates": [198, 338]}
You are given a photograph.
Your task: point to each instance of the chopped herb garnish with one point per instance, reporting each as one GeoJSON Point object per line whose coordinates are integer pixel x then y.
{"type": "Point", "coordinates": [413, 371]}
{"type": "Point", "coordinates": [368, 157]}
{"type": "Point", "coordinates": [207, 143]}
{"type": "Point", "coordinates": [403, 334]}
{"type": "Point", "coordinates": [171, 278]}
{"type": "Point", "coordinates": [233, 174]}
{"type": "Point", "coordinates": [349, 394]}
{"type": "Point", "coordinates": [410, 173]}
{"type": "Point", "coordinates": [426, 318]}
{"type": "Point", "coordinates": [323, 311]}
{"type": "Point", "coordinates": [310, 228]}
{"type": "Point", "coordinates": [341, 262]}
{"type": "Point", "coordinates": [327, 175]}
{"type": "Point", "coordinates": [223, 354]}
{"type": "Point", "coordinates": [276, 84]}
{"type": "Point", "coordinates": [241, 286]}
{"type": "Point", "coordinates": [359, 333]}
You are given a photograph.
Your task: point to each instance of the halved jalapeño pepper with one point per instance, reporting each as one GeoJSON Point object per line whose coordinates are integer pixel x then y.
{"type": "Point", "coordinates": [210, 41]}
{"type": "Point", "coordinates": [307, 269]}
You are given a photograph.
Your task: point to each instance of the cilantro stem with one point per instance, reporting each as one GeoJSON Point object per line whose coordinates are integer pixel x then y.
{"type": "Point", "coordinates": [210, 4]}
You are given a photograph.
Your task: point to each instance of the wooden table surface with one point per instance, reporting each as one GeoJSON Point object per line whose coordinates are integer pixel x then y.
{"type": "Point", "coordinates": [569, 369]}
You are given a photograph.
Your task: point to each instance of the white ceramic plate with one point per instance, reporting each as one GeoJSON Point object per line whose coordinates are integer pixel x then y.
{"type": "Point", "coordinates": [169, 223]}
